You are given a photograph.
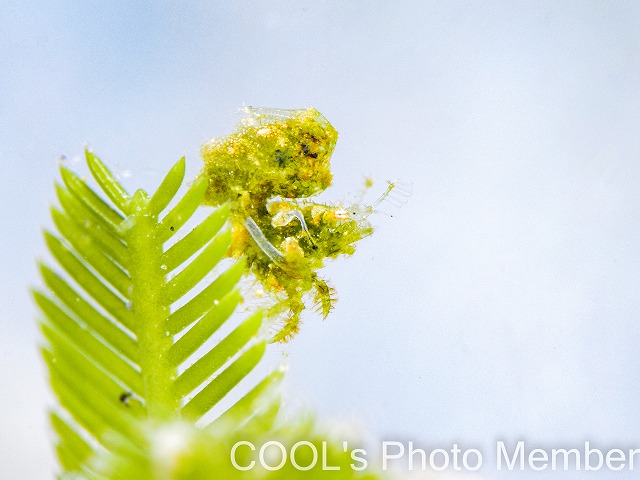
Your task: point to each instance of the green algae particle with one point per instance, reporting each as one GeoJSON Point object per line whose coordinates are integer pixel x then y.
{"type": "Point", "coordinates": [267, 170]}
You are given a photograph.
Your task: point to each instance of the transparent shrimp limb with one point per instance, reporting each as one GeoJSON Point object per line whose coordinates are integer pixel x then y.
{"type": "Point", "coordinates": [286, 282]}
{"type": "Point", "coordinates": [275, 255]}
{"type": "Point", "coordinates": [285, 217]}
{"type": "Point", "coordinates": [325, 296]}
{"type": "Point", "coordinates": [396, 194]}
{"type": "Point", "coordinates": [289, 330]}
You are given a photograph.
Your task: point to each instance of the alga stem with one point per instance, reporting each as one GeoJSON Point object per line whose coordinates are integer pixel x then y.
{"type": "Point", "coordinates": [148, 279]}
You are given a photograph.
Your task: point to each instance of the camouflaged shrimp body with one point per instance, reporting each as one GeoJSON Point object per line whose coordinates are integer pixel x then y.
{"type": "Point", "coordinates": [264, 170]}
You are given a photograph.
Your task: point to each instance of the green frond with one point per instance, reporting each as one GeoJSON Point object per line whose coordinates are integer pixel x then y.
{"type": "Point", "coordinates": [90, 199]}
{"type": "Point", "coordinates": [167, 189]}
{"type": "Point", "coordinates": [219, 386]}
{"type": "Point", "coordinates": [86, 342]}
{"type": "Point", "coordinates": [108, 182]}
{"type": "Point", "coordinates": [85, 247]}
{"type": "Point", "coordinates": [206, 326]}
{"type": "Point", "coordinates": [179, 214]}
{"type": "Point", "coordinates": [191, 275]}
{"type": "Point", "coordinates": [115, 338]}
{"type": "Point", "coordinates": [248, 410]}
{"type": "Point", "coordinates": [195, 239]}
{"type": "Point", "coordinates": [122, 342]}
{"type": "Point", "coordinates": [201, 303]}
{"type": "Point", "coordinates": [214, 359]}
{"type": "Point", "coordinates": [73, 450]}
{"type": "Point", "coordinates": [104, 234]}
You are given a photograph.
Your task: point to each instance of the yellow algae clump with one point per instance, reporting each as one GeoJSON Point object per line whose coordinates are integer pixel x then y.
{"type": "Point", "coordinates": [282, 153]}
{"type": "Point", "coordinates": [267, 169]}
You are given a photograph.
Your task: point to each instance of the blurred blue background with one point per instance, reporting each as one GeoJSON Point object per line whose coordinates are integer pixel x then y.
{"type": "Point", "coordinates": [500, 303]}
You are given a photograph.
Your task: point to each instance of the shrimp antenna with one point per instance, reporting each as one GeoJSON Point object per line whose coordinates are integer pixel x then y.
{"type": "Point", "coordinates": [397, 194]}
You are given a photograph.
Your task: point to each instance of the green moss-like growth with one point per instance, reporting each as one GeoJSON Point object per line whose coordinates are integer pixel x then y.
{"type": "Point", "coordinates": [273, 153]}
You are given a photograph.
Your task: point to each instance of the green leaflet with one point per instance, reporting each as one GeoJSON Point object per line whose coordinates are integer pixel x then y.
{"type": "Point", "coordinates": [116, 308]}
